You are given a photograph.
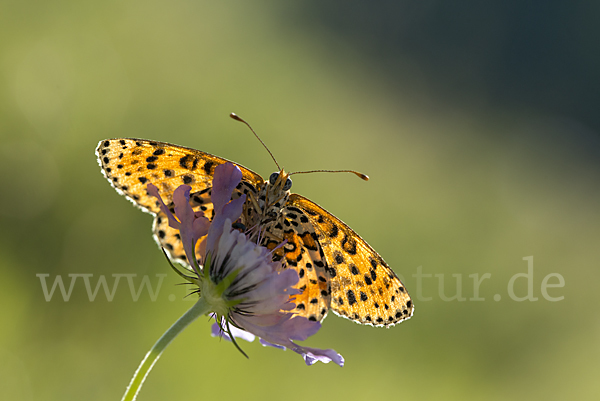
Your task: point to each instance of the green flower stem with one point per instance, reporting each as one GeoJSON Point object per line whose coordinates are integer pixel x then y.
{"type": "Point", "coordinates": [200, 308]}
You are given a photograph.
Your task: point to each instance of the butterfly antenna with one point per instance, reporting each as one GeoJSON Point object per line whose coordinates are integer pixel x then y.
{"type": "Point", "coordinates": [240, 119]}
{"type": "Point", "coordinates": [359, 175]}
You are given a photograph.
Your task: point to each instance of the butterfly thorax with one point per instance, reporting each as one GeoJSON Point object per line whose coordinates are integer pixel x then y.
{"type": "Point", "coordinates": [267, 206]}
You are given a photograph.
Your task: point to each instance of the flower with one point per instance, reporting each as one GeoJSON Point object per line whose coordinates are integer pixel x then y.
{"type": "Point", "coordinates": [237, 277]}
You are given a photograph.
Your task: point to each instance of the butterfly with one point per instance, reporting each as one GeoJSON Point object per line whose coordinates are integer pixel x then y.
{"type": "Point", "coordinates": [338, 270]}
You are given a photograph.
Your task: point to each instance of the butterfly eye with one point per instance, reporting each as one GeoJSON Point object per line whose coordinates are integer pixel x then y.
{"type": "Point", "coordinates": [288, 184]}
{"type": "Point", "coordinates": [273, 178]}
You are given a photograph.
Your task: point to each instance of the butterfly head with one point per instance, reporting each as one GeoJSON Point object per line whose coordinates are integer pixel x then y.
{"type": "Point", "coordinates": [280, 181]}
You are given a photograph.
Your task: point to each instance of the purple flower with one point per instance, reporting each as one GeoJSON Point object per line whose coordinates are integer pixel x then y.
{"type": "Point", "coordinates": [236, 276]}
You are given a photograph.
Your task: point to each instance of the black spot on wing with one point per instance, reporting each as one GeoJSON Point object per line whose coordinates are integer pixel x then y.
{"type": "Point", "coordinates": [349, 245]}
{"type": "Point", "coordinates": [208, 167]}
{"type": "Point", "coordinates": [333, 231]}
{"type": "Point", "coordinates": [351, 297]}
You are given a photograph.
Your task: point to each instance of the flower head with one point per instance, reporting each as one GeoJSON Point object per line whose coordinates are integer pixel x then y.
{"type": "Point", "coordinates": [238, 277]}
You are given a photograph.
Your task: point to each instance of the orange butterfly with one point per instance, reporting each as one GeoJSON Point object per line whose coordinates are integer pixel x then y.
{"type": "Point", "coordinates": [338, 270]}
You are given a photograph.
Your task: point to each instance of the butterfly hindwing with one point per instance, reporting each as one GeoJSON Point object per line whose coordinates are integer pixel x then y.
{"type": "Point", "coordinates": [363, 287]}
{"type": "Point", "coordinates": [303, 254]}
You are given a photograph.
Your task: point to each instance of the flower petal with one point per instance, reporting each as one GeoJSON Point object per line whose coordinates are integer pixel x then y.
{"type": "Point", "coordinates": [200, 227]}
{"type": "Point", "coordinates": [173, 222]}
{"type": "Point", "coordinates": [312, 355]}
{"type": "Point", "coordinates": [226, 177]}
{"type": "Point", "coordinates": [190, 226]}
{"type": "Point", "coordinates": [275, 285]}
{"type": "Point", "coordinates": [183, 210]}
{"type": "Point", "coordinates": [231, 211]}
{"type": "Point", "coordinates": [278, 329]}
{"type": "Point", "coordinates": [237, 333]}
{"type": "Point", "coordinates": [268, 344]}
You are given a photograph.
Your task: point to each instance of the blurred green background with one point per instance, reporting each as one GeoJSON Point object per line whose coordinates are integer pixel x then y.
{"type": "Point", "coordinates": [478, 123]}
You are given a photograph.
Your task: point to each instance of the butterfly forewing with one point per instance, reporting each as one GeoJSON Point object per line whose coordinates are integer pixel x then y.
{"type": "Point", "coordinates": [363, 287]}
{"type": "Point", "coordinates": [130, 164]}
